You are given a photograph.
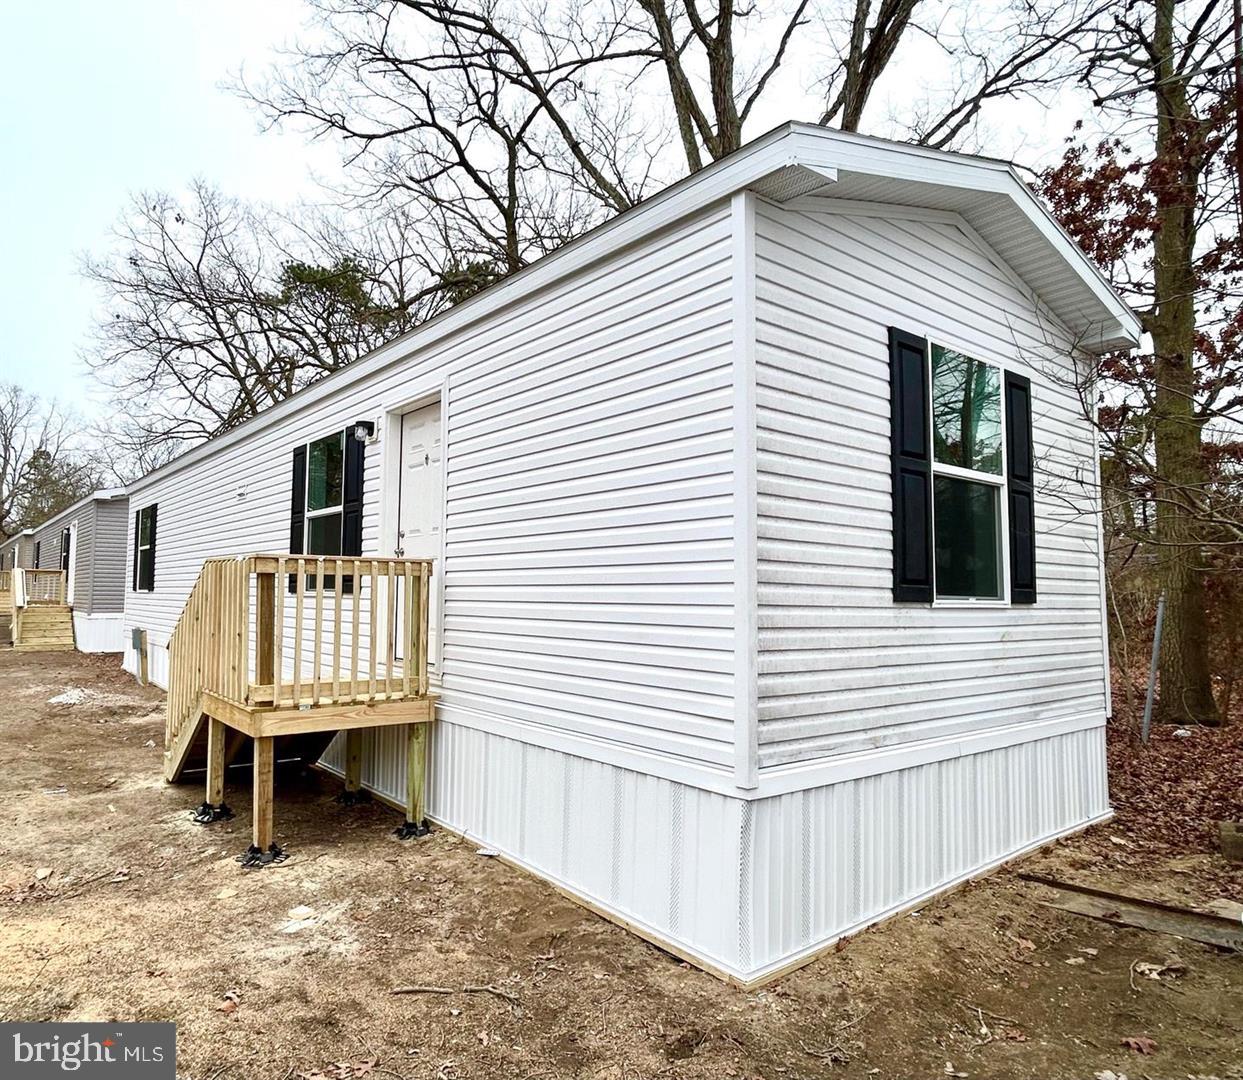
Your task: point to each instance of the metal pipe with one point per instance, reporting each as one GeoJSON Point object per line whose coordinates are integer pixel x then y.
{"type": "Point", "coordinates": [1152, 669]}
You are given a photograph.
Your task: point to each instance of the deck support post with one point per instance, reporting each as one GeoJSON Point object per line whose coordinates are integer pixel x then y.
{"type": "Point", "coordinates": [262, 849]}
{"type": "Point", "coordinates": [214, 808]}
{"type": "Point", "coordinates": [353, 793]}
{"type": "Point", "coordinates": [215, 761]}
{"type": "Point", "coordinates": [265, 767]}
{"type": "Point", "coordinates": [416, 782]}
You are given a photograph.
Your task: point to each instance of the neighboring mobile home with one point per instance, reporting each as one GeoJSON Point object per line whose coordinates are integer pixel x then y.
{"type": "Point", "coordinates": [75, 563]}
{"type": "Point", "coordinates": [17, 550]}
{"type": "Point", "coordinates": [767, 595]}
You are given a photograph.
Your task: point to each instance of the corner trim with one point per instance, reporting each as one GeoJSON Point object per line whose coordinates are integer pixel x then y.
{"type": "Point", "coordinates": [745, 496]}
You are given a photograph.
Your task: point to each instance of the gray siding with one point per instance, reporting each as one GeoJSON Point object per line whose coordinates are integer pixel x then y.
{"type": "Point", "coordinates": [99, 564]}
{"type": "Point", "coordinates": [105, 587]}
{"type": "Point", "coordinates": [46, 540]}
{"type": "Point", "coordinates": [23, 549]}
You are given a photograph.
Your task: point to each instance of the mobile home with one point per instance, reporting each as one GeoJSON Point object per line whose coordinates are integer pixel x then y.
{"type": "Point", "coordinates": [16, 551]}
{"type": "Point", "coordinates": [766, 583]}
{"type": "Point", "coordinates": [71, 570]}
{"type": "Point", "coordinates": [86, 543]}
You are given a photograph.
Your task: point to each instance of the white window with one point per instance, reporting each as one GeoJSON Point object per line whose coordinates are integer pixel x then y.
{"type": "Point", "coordinates": [968, 477]}
{"type": "Point", "coordinates": [325, 495]}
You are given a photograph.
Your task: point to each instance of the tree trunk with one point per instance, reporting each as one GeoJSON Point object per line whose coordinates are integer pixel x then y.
{"type": "Point", "coordinates": [1185, 689]}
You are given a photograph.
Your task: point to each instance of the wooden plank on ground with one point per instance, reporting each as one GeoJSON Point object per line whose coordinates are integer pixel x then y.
{"type": "Point", "coordinates": [1133, 911]}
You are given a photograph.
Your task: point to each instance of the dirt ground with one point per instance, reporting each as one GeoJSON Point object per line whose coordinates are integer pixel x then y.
{"type": "Point", "coordinates": [114, 905]}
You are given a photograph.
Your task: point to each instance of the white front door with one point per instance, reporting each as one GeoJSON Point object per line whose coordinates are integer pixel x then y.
{"type": "Point", "coordinates": [71, 562]}
{"type": "Point", "coordinates": [420, 503]}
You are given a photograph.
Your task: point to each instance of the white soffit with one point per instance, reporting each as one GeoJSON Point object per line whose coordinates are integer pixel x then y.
{"type": "Point", "coordinates": [992, 200]}
{"type": "Point", "coordinates": [794, 182]}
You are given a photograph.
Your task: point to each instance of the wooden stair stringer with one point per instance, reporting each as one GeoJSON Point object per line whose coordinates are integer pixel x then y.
{"type": "Point", "coordinates": [177, 755]}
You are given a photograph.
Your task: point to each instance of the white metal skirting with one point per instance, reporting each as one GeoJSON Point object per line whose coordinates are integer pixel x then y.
{"type": "Point", "coordinates": [747, 886]}
{"type": "Point", "coordinates": [99, 633]}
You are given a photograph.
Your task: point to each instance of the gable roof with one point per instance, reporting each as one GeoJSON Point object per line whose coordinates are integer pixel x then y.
{"type": "Point", "coordinates": [102, 495]}
{"type": "Point", "coordinates": [789, 162]}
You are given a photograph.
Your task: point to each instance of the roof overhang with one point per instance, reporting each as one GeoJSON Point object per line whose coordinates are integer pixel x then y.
{"type": "Point", "coordinates": [791, 162]}
{"type": "Point", "coordinates": [986, 193]}
{"type": "Point", "coordinates": [103, 495]}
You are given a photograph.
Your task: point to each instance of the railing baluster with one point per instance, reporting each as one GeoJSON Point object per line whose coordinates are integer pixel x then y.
{"type": "Point", "coordinates": [278, 631]}
{"type": "Point", "coordinates": [355, 603]}
{"type": "Point", "coordinates": [371, 628]}
{"type": "Point", "coordinates": [390, 628]}
{"type": "Point", "coordinates": [243, 632]}
{"type": "Point", "coordinates": [210, 648]}
{"type": "Point", "coordinates": [299, 601]}
{"type": "Point", "coordinates": [319, 628]}
{"type": "Point", "coordinates": [336, 632]}
{"type": "Point", "coordinates": [407, 625]}
{"type": "Point", "coordinates": [422, 627]}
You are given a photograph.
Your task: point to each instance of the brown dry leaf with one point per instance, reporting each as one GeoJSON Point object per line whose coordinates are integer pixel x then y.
{"type": "Point", "coordinates": [1013, 1034]}
{"type": "Point", "coordinates": [1141, 1044]}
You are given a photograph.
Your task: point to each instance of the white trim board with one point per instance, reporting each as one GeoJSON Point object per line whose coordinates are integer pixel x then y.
{"type": "Point", "coordinates": [774, 779]}
{"type": "Point", "coordinates": [746, 582]}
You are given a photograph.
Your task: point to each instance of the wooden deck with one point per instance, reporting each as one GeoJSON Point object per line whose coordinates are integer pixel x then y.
{"type": "Point", "coordinates": [34, 611]}
{"type": "Point", "coordinates": [286, 647]}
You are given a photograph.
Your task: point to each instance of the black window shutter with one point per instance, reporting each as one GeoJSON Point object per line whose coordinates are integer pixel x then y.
{"type": "Point", "coordinates": [151, 554]}
{"type": "Point", "coordinates": [352, 502]}
{"type": "Point", "coordinates": [911, 452]}
{"type": "Point", "coordinates": [137, 534]}
{"type": "Point", "coordinates": [1020, 485]}
{"type": "Point", "coordinates": [148, 577]}
{"type": "Point", "coordinates": [297, 510]}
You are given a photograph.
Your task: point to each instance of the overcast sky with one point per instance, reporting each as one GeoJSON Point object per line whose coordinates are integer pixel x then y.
{"type": "Point", "coordinates": [99, 100]}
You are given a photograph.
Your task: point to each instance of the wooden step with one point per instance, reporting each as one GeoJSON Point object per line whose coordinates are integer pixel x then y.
{"type": "Point", "coordinates": [45, 628]}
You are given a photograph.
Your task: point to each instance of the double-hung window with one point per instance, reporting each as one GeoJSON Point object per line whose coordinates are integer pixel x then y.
{"type": "Point", "coordinates": [963, 482]}
{"type": "Point", "coordinates": [325, 495]}
{"type": "Point", "coordinates": [326, 510]}
{"type": "Point", "coordinates": [968, 478]}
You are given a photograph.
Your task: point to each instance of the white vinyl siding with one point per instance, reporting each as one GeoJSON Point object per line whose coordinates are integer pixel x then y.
{"type": "Point", "coordinates": [842, 667]}
{"type": "Point", "coordinates": [587, 575]}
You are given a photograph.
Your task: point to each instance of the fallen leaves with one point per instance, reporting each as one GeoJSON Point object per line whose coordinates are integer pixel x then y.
{"type": "Point", "coordinates": [1141, 1044]}
{"type": "Point", "coordinates": [1170, 969]}
{"type": "Point", "coordinates": [232, 999]}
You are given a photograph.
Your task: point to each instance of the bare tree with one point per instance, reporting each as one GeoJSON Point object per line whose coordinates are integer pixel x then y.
{"type": "Point", "coordinates": [217, 310]}
{"type": "Point", "coordinates": [477, 113]}
{"type": "Point", "coordinates": [43, 465]}
{"type": "Point", "coordinates": [1156, 201]}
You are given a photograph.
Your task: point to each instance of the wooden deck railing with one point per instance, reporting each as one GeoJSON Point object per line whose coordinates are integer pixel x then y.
{"type": "Point", "coordinates": [45, 586]}
{"type": "Point", "coordinates": [291, 631]}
